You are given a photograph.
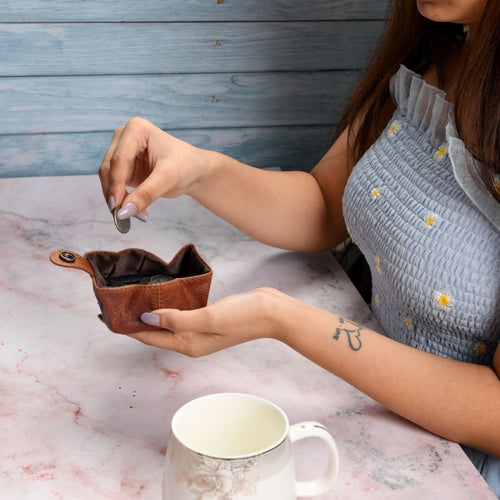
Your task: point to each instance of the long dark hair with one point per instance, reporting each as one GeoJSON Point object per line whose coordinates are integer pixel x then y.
{"type": "Point", "coordinates": [417, 42]}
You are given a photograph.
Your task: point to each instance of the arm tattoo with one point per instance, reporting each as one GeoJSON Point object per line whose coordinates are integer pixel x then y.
{"type": "Point", "coordinates": [352, 331]}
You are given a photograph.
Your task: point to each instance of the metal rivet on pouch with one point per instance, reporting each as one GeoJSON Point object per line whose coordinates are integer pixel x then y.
{"type": "Point", "coordinates": [67, 257]}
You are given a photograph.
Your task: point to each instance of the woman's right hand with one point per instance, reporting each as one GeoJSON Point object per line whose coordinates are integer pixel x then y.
{"type": "Point", "coordinates": [152, 162]}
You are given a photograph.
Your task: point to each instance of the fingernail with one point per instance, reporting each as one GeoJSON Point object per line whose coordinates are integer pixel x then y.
{"type": "Point", "coordinates": [127, 211]}
{"type": "Point", "coordinates": [111, 202]}
{"type": "Point", "coordinates": [141, 216]}
{"type": "Point", "coordinates": [150, 319]}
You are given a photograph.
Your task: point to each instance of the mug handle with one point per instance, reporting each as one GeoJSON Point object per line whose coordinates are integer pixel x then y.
{"type": "Point", "coordinates": [323, 483]}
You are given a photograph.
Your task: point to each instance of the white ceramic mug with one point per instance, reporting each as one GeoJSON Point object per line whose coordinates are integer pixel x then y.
{"type": "Point", "coordinates": [232, 446]}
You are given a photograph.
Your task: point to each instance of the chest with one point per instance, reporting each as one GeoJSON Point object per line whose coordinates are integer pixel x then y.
{"type": "Point", "coordinates": [427, 245]}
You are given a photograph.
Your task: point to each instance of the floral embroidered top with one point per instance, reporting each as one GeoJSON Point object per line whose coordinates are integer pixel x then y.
{"type": "Point", "coordinates": [429, 232]}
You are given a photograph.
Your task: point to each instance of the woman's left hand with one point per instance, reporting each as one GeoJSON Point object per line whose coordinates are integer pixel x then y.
{"type": "Point", "coordinates": [230, 321]}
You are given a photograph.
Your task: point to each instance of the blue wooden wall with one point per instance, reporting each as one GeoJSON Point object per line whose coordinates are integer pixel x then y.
{"type": "Point", "coordinates": [263, 81]}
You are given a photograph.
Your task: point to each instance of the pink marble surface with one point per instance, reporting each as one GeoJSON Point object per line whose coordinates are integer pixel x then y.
{"type": "Point", "coordinates": [85, 413]}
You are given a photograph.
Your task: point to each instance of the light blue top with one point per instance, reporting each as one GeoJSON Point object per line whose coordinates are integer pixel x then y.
{"type": "Point", "coordinates": [429, 232]}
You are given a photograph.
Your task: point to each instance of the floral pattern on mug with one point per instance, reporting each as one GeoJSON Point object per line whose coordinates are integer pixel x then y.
{"type": "Point", "coordinates": [209, 478]}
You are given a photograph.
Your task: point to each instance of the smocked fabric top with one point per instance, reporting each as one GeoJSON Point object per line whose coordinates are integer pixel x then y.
{"type": "Point", "coordinates": [429, 232]}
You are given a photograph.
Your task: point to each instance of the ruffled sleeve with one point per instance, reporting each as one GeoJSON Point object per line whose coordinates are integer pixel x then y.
{"type": "Point", "coordinates": [462, 162]}
{"type": "Point", "coordinates": [426, 107]}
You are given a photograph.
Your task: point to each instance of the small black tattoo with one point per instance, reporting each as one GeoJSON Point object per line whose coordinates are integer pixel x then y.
{"type": "Point", "coordinates": [352, 331]}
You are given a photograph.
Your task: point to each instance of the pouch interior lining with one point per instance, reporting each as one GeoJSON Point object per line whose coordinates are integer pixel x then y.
{"type": "Point", "coordinates": [133, 261]}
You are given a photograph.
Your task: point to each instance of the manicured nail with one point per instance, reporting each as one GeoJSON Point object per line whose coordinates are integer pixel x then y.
{"type": "Point", "coordinates": [141, 216]}
{"type": "Point", "coordinates": [111, 202]}
{"type": "Point", "coordinates": [127, 211]}
{"type": "Point", "coordinates": [150, 319]}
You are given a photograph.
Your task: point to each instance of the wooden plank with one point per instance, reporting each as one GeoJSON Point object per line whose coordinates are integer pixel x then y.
{"type": "Point", "coordinates": [139, 48]}
{"type": "Point", "coordinates": [188, 10]}
{"type": "Point", "coordinates": [76, 104]}
{"type": "Point", "coordinates": [292, 148]}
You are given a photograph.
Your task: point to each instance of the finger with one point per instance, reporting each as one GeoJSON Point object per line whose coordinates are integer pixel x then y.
{"type": "Point", "coordinates": [182, 331]}
{"type": "Point", "coordinates": [162, 339]}
{"type": "Point", "coordinates": [142, 216]}
{"type": "Point", "coordinates": [104, 168]}
{"type": "Point", "coordinates": [131, 144]}
{"type": "Point", "coordinates": [144, 194]}
{"type": "Point", "coordinates": [190, 344]}
{"type": "Point", "coordinates": [174, 320]}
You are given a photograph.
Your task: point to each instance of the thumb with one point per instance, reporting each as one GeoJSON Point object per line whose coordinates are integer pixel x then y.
{"type": "Point", "coordinates": [136, 202]}
{"type": "Point", "coordinates": [195, 320]}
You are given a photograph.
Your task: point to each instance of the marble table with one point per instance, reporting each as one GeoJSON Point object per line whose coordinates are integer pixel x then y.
{"type": "Point", "coordinates": [85, 413]}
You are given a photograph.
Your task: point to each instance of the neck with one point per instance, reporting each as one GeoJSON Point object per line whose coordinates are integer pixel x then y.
{"type": "Point", "coordinates": [454, 63]}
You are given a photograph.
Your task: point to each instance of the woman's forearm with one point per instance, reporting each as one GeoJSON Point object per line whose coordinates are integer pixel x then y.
{"type": "Point", "coordinates": [456, 400]}
{"type": "Point", "coordinates": [282, 209]}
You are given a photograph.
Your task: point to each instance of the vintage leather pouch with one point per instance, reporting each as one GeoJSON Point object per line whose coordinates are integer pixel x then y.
{"type": "Point", "coordinates": [133, 281]}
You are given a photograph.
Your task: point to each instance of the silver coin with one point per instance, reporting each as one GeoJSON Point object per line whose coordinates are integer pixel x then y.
{"type": "Point", "coordinates": [161, 278]}
{"type": "Point", "coordinates": [123, 225]}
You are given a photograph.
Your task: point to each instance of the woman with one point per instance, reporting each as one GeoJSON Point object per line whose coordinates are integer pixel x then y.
{"type": "Point", "coordinates": [413, 177]}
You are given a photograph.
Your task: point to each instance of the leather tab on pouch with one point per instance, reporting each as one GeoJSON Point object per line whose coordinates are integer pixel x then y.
{"type": "Point", "coordinates": [67, 258]}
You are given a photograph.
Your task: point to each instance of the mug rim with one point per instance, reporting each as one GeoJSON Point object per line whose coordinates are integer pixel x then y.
{"type": "Point", "coordinates": [262, 451]}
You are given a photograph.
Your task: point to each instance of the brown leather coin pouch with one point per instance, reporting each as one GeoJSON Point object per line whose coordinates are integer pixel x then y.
{"type": "Point", "coordinates": [133, 281]}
